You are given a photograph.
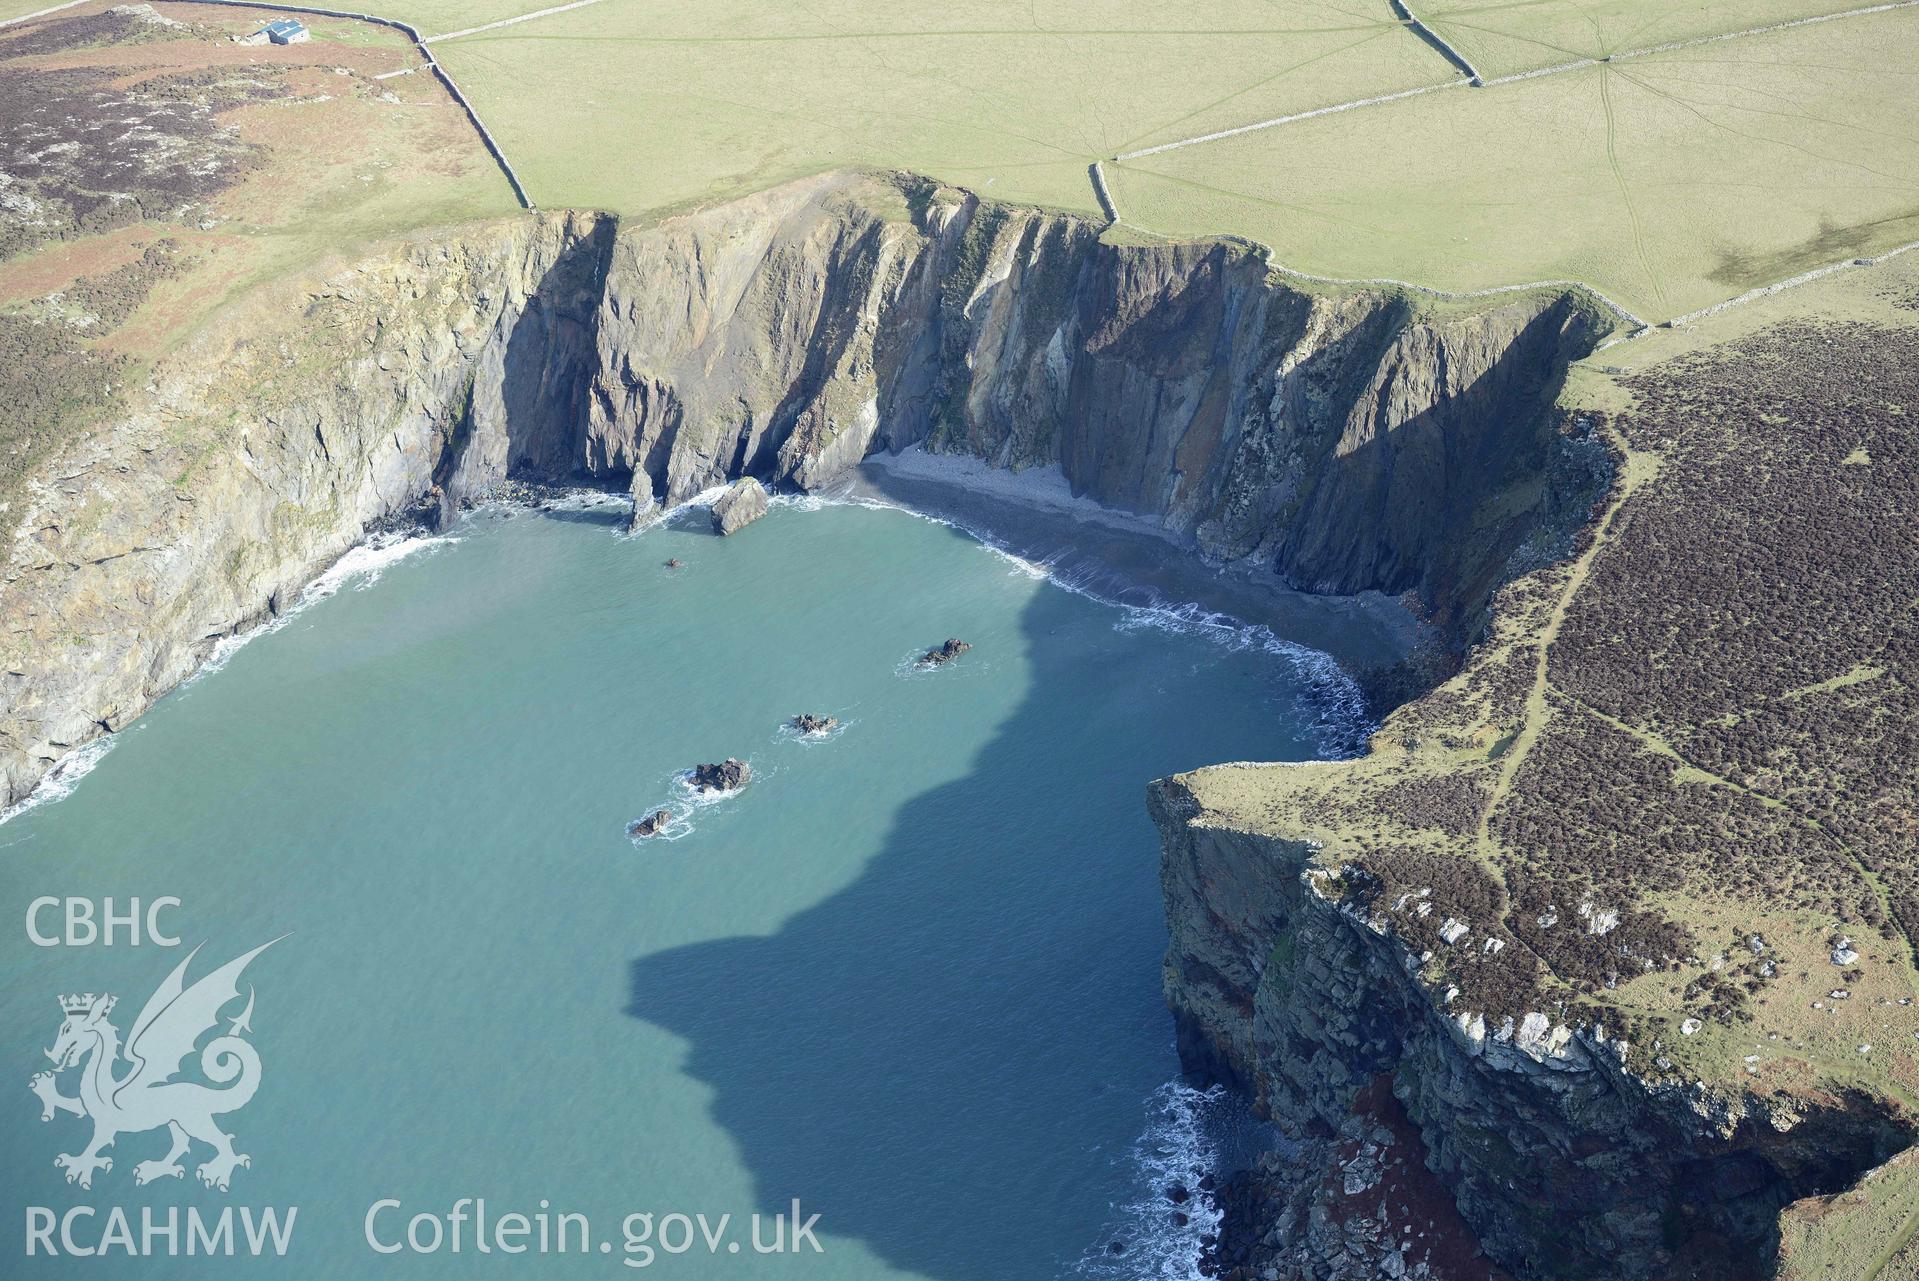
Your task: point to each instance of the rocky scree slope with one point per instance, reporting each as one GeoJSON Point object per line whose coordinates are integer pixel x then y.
{"type": "Point", "coordinates": [1341, 441]}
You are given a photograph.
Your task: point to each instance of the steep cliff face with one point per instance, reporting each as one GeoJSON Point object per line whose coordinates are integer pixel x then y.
{"type": "Point", "coordinates": [262, 452]}
{"type": "Point", "coordinates": [1339, 441]}
{"type": "Point", "coordinates": [1563, 1162]}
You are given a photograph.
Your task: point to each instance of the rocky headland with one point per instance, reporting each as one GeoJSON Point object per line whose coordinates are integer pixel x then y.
{"type": "Point", "coordinates": [1328, 440]}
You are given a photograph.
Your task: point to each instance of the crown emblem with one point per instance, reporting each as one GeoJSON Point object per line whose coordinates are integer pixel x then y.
{"type": "Point", "coordinates": [84, 1004]}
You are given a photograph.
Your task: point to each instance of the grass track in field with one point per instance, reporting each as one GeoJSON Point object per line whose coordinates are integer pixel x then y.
{"type": "Point", "coordinates": [637, 105]}
{"type": "Point", "coordinates": [1670, 181]}
{"type": "Point", "coordinates": [1506, 36]}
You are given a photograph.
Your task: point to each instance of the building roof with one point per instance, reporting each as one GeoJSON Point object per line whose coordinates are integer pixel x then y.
{"type": "Point", "coordinates": [284, 26]}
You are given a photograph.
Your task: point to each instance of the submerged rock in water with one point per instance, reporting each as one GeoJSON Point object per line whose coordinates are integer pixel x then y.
{"type": "Point", "coordinates": [743, 503]}
{"type": "Point", "coordinates": [807, 723]}
{"type": "Point", "coordinates": [727, 776]}
{"type": "Point", "coordinates": [946, 653]}
{"type": "Point", "coordinates": [652, 825]}
{"type": "Point", "coordinates": [673, 562]}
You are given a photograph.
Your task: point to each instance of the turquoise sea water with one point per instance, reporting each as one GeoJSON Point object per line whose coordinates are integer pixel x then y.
{"type": "Point", "coordinates": [908, 976]}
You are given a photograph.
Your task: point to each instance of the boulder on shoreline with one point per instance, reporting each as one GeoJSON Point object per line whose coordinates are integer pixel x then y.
{"type": "Point", "coordinates": [945, 653]}
{"type": "Point", "coordinates": [808, 723]}
{"type": "Point", "coordinates": [652, 825]}
{"type": "Point", "coordinates": [728, 776]}
{"type": "Point", "coordinates": [743, 503]}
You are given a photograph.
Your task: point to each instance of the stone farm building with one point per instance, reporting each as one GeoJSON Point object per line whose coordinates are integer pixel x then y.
{"type": "Point", "coordinates": [280, 31]}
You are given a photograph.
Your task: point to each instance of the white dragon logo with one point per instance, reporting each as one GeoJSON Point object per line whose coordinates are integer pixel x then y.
{"type": "Point", "coordinates": [174, 1018]}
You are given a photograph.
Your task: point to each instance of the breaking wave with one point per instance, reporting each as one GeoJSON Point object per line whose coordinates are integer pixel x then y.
{"type": "Point", "coordinates": [360, 568]}
{"type": "Point", "coordinates": [1328, 700]}
{"type": "Point", "coordinates": [63, 777]}
{"type": "Point", "coordinates": [685, 804]}
{"type": "Point", "coordinates": [790, 733]}
{"type": "Point", "coordinates": [582, 500]}
{"type": "Point", "coordinates": [1177, 1149]}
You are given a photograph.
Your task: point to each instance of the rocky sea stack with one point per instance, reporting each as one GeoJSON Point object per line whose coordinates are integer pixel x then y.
{"type": "Point", "coordinates": [652, 825]}
{"type": "Point", "coordinates": [728, 776]}
{"type": "Point", "coordinates": [808, 723]}
{"type": "Point", "coordinates": [945, 653]}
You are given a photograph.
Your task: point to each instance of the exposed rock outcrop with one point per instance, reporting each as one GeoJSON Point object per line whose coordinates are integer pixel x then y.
{"type": "Point", "coordinates": [1561, 1159]}
{"type": "Point", "coordinates": [652, 824]}
{"type": "Point", "coordinates": [1345, 440]}
{"type": "Point", "coordinates": [266, 448]}
{"type": "Point", "coordinates": [945, 652]}
{"type": "Point", "coordinates": [808, 723]}
{"type": "Point", "coordinates": [1337, 440]}
{"type": "Point", "coordinates": [743, 503]}
{"type": "Point", "coordinates": [729, 775]}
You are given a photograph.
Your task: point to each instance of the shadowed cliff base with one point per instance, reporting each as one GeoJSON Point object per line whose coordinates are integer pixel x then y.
{"type": "Point", "coordinates": [1126, 558]}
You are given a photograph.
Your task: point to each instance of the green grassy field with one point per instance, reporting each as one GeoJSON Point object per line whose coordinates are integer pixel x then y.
{"type": "Point", "coordinates": [639, 105]}
{"type": "Point", "coordinates": [1640, 176]}
{"type": "Point", "coordinates": [1501, 37]}
{"type": "Point", "coordinates": [1670, 182]}
{"type": "Point", "coordinates": [19, 8]}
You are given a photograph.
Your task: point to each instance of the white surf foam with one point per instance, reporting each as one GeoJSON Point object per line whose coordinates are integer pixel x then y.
{"type": "Point", "coordinates": [702, 798]}
{"type": "Point", "coordinates": [582, 500]}
{"type": "Point", "coordinates": [789, 733]}
{"type": "Point", "coordinates": [359, 568]}
{"type": "Point", "coordinates": [699, 505]}
{"type": "Point", "coordinates": [687, 801]}
{"type": "Point", "coordinates": [63, 777]}
{"type": "Point", "coordinates": [915, 667]}
{"type": "Point", "coordinates": [1176, 1149]}
{"type": "Point", "coordinates": [679, 825]}
{"type": "Point", "coordinates": [1329, 700]}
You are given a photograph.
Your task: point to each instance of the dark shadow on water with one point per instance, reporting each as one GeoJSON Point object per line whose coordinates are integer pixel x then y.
{"type": "Point", "coordinates": [906, 1057]}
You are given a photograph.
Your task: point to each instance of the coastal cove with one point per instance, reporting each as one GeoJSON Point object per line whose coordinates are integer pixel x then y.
{"type": "Point", "coordinates": [909, 975]}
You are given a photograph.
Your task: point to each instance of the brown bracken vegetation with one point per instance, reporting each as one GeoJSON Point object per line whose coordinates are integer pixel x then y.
{"type": "Point", "coordinates": [1700, 730]}
{"type": "Point", "coordinates": [82, 151]}
{"type": "Point", "coordinates": [86, 150]}
{"type": "Point", "coordinates": [1757, 615]}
